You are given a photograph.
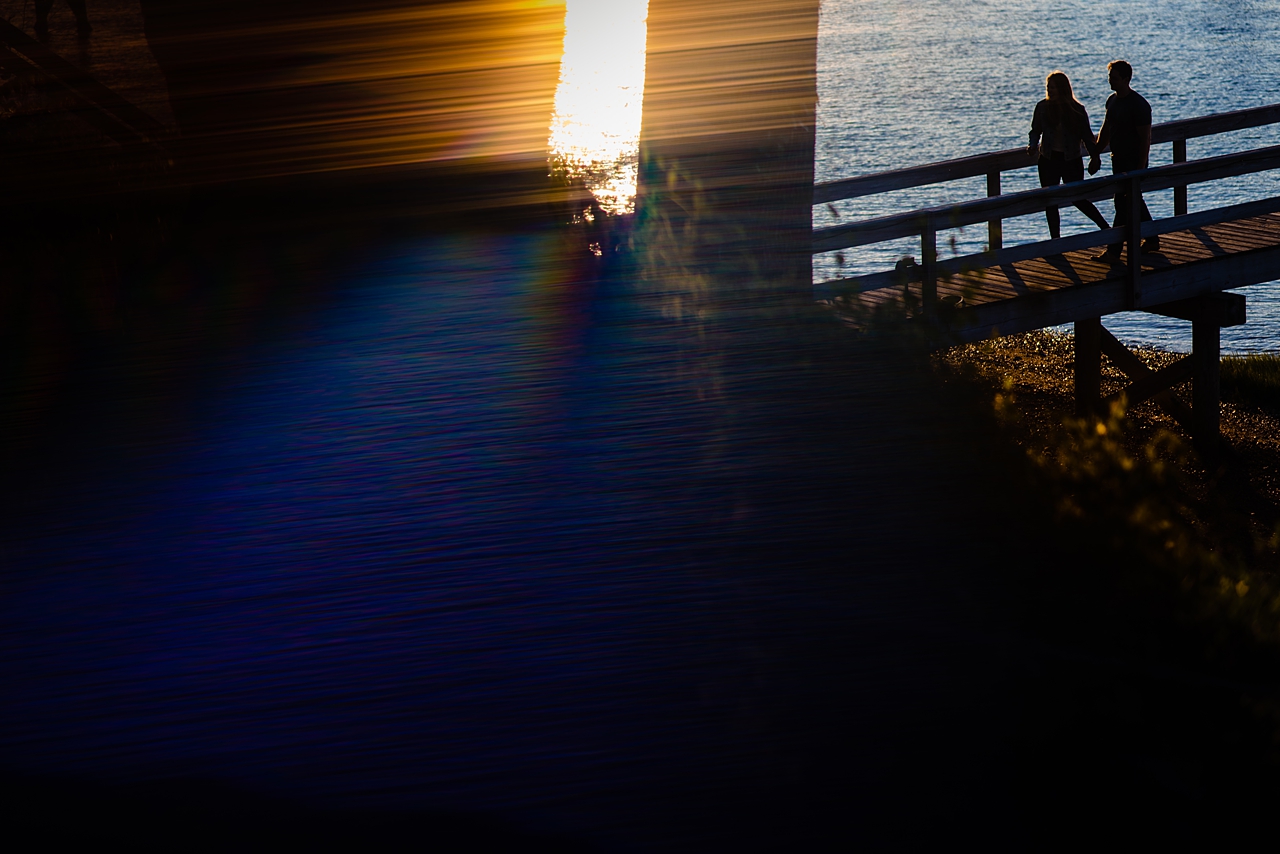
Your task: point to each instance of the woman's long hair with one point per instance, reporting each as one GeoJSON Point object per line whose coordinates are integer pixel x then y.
{"type": "Point", "coordinates": [1068, 101]}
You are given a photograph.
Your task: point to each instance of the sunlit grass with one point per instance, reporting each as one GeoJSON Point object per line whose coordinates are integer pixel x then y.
{"type": "Point", "coordinates": [1252, 379]}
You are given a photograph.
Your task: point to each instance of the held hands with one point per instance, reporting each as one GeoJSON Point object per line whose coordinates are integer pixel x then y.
{"type": "Point", "coordinates": [1095, 163]}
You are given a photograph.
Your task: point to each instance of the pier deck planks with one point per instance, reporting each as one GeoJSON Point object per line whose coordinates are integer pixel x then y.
{"type": "Point", "coordinates": [1036, 285]}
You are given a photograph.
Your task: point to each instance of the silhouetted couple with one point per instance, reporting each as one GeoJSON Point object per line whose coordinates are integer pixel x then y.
{"type": "Point", "coordinates": [1060, 127]}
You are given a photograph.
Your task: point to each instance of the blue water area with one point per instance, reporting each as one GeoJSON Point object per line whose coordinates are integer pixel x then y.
{"type": "Point", "coordinates": [476, 532]}
{"type": "Point", "coordinates": [901, 84]}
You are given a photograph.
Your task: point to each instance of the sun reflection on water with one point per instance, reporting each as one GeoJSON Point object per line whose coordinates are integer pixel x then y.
{"type": "Point", "coordinates": [595, 130]}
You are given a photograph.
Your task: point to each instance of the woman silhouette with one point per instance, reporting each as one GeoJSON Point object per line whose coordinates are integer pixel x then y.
{"type": "Point", "coordinates": [1059, 127]}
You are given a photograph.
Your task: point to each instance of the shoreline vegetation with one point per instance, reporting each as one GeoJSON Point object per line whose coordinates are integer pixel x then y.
{"type": "Point", "coordinates": [1151, 634]}
{"type": "Point", "coordinates": [1028, 380]}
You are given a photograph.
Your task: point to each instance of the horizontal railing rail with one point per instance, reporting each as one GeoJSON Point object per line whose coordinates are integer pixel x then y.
{"type": "Point", "coordinates": [993, 163]}
{"type": "Point", "coordinates": [1244, 210]}
{"type": "Point", "coordinates": [921, 176]}
{"type": "Point", "coordinates": [927, 222]}
{"type": "Point", "coordinates": [910, 223]}
{"type": "Point", "coordinates": [1051, 248]}
{"type": "Point", "coordinates": [1216, 123]}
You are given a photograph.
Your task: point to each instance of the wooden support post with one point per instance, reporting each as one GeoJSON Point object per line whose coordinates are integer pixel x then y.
{"type": "Point", "coordinates": [1205, 383]}
{"type": "Point", "coordinates": [995, 227]}
{"type": "Point", "coordinates": [1088, 366]}
{"type": "Point", "coordinates": [1134, 239]}
{"type": "Point", "coordinates": [929, 258]}
{"type": "Point", "coordinates": [1180, 193]}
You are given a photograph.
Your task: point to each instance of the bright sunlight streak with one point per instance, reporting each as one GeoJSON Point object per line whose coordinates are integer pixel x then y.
{"type": "Point", "coordinates": [595, 130]}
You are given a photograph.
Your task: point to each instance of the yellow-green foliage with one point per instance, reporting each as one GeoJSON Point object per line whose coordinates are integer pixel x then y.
{"type": "Point", "coordinates": [1134, 503]}
{"type": "Point", "coordinates": [1096, 477]}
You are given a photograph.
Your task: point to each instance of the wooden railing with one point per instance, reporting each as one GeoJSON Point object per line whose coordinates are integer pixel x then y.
{"type": "Point", "coordinates": [995, 208]}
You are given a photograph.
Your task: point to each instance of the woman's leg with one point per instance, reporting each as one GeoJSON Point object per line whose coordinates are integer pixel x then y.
{"type": "Point", "coordinates": [1090, 210]}
{"type": "Point", "coordinates": [1073, 170]}
{"type": "Point", "coordinates": [1050, 173]}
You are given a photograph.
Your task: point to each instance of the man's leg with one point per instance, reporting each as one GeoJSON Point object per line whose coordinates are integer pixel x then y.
{"type": "Point", "coordinates": [1152, 243]}
{"type": "Point", "coordinates": [1121, 220]}
{"type": "Point", "coordinates": [1120, 165]}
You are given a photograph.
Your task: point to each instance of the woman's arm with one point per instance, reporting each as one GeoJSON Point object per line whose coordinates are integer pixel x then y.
{"type": "Point", "coordinates": [1037, 128]}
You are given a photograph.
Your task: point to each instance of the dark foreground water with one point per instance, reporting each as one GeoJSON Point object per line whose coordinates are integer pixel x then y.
{"type": "Point", "coordinates": [463, 527]}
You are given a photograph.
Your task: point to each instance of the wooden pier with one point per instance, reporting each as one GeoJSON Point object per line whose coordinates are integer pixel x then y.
{"type": "Point", "coordinates": [1017, 289]}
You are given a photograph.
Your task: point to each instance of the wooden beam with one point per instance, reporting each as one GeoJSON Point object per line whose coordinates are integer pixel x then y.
{"type": "Point", "coordinates": [1209, 168]}
{"type": "Point", "coordinates": [1206, 386]}
{"type": "Point", "coordinates": [1087, 369]}
{"type": "Point", "coordinates": [1132, 367]}
{"type": "Point", "coordinates": [1159, 287]}
{"type": "Point", "coordinates": [1236, 270]}
{"type": "Point", "coordinates": [920, 176]}
{"type": "Point", "coordinates": [1243, 210]}
{"type": "Point", "coordinates": [1223, 309]}
{"type": "Point", "coordinates": [1148, 383]}
{"type": "Point", "coordinates": [1046, 248]}
{"type": "Point", "coordinates": [1218, 123]}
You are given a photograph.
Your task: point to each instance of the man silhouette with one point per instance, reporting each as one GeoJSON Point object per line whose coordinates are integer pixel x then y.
{"type": "Point", "coordinates": [1127, 128]}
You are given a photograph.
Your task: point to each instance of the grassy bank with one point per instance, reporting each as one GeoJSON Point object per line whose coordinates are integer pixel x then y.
{"type": "Point", "coordinates": [1150, 598]}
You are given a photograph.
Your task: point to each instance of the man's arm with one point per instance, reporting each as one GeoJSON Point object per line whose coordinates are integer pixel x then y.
{"type": "Point", "coordinates": [1104, 134]}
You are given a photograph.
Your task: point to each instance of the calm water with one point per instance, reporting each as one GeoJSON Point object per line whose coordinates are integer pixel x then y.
{"type": "Point", "coordinates": [466, 529]}
{"type": "Point", "coordinates": [908, 83]}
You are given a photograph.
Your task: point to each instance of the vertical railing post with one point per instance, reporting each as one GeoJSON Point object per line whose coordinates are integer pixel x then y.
{"type": "Point", "coordinates": [1180, 192]}
{"type": "Point", "coordinates": [929, 257]}
{"type": "Point", "coordinates": [1133, 237]}
{"type": "Point", "coordinates": [995, 227]}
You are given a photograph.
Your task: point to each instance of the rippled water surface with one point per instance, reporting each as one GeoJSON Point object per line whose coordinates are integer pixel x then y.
{"type": "Point", "coordinates": [902, 84]}
{"type": "Point", "coordinates": [479, 532]}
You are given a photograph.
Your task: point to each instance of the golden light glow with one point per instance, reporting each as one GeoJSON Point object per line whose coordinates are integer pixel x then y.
{"type": "Point", "coordinates": [595, 130]}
